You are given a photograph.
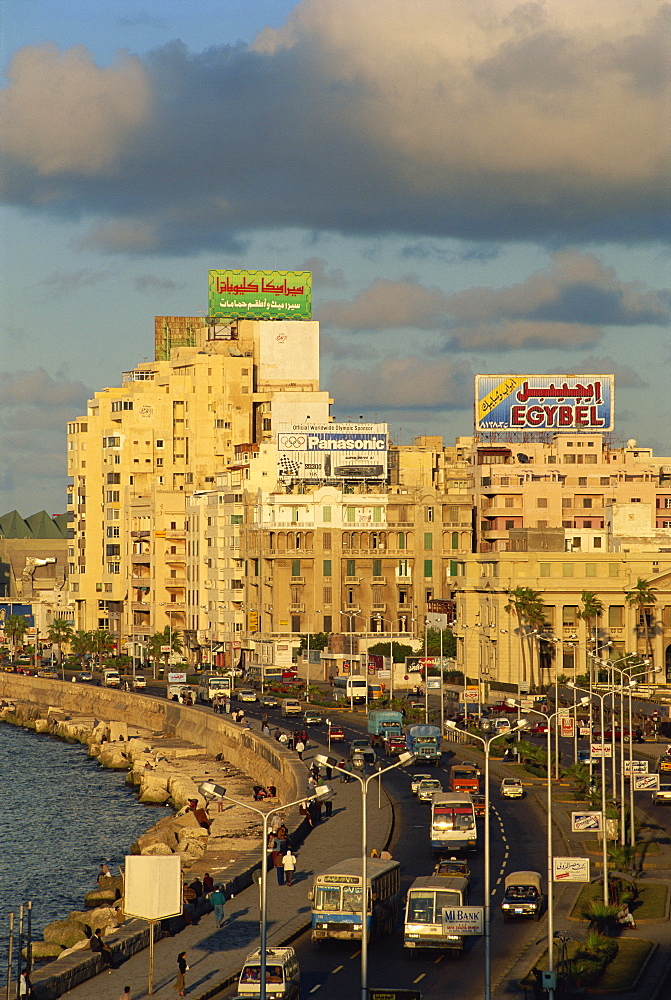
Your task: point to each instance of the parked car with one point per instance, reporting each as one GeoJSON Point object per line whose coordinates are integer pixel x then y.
{"type": "Point", "coordinates": [511, 788]}
{"type": "Point", "coordinates": [337, 734]}
{"type": "Point", "coordinates": [416, 781]}
{"type": "Point", "coordinates": [428, 788]}
{"type": "Point", "coordinates": [537, 729]}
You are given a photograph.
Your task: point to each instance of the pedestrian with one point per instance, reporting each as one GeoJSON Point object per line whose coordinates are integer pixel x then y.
{"type": "Point", "coordinates": [289, 865]}
{"type": "Point", "coordinates": [290, 742]}
{"type": "Point", "coordinates": [312, 783]}
{"type": "Point", "coordinates": [343, 775]}
{"type": "Point", "coordinates": [241, 715]}
{"type": "Point", "coordinates": [278, 865]}
{"type": "Point", "coordinates": [25, 986]}
{"type": "Point", "coordinates": [182, 969]}
{"type": "Point", "coordinates": [300, 747]}
{"type": "Point", "coordinates": [96, 945]}
{"type": "Point", "coordinates": [126, 993]}
{"type": "Point", "coordinates": [217, 899]}
{"type": "Point", "coordinates": [208, 883]}
{"type": "Point", "coordinates": [305, 739]}
{"type": "Point", "coordinates": [227, 706]}
{"type": "Point", "coordinates": [328, 808]}
{"type": "Point", "coordinates": [282, 738]}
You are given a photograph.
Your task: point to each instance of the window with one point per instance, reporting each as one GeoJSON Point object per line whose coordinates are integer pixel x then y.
{"type": "Point", "coordinates": [455, 539]}
{"type": "Point", "coordinates": [350, 514]}
{"type": "Point", "coordinates": [568, 569]}
{"type": "Point", "coordinates": [327, 595]}
{"type": "Point", "coordinates": [566, 502]}
{"type": "Point", "coordinates": [122, 404]}
{"type": "Point", "coordinates": [428, 540]}
{"type": "Point", "coordinates": [401, 539]}
{"type": "Point", "coordinates": [295, 623]}
{"type": "Point", "coordinates": [428, 513]}
{"type": "Point", "coordinates": [509, 525]}
{"type": "Point", "coordinates": [587, 501]}
{"type": "Point", "coordinates": [236, 518]}
{"type": "Point", "coordinates": [159, 443]}
{"type": "Point", "coordinates": [326, 515]}
{"type": "Point", "coordinates": [428, 568]}
{"type": "Point", "coordinates": [635, 500]}
{"type": "Point", "coordinates": [350, 567]}
{"type": "Point", "coordinates": [582, 481]}
{"type": "Point", "coordinates": [508, 501]}
{"type": "Point", "coordinates": [295, 567]}
{"type": "Point", "coordinates": [113, 531]}
{"type": "Point", "coordinates": [377, 515]}
{"type": "Point", "coordinates": [541, 501]}
{"type": "Point", "coordinates": [616, 616]}
{"type": "Point", "coordinates": [570, 616]}
{"type": "Point", "coordinates": [604, 480]}
{"type": "Point", "coordinates": [403, 567]}
{"type": "Point", "coordinates": [544, 569]}
{"type": "Point", "coordinates": [114, 478]}
{"type": "Point", "coordinates": [326, 541]}
{"type": "Point", "coordinates": [377, 567]}
{"type": "Point", "coordinates": [326, 567]}
{"type": "Point", "coordinates": [403, 597]}
{"type": "Point", "coordinates": [112, 496]}
{"type": "Point", "coordinates": [596, 542]}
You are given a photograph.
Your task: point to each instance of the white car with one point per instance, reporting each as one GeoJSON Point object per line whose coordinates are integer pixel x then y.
{"type": "Point", "coordinates": [417, 780]}
{"type": "Point", "coordinates": [139, 682]}
{"type": "Point", "coordinates": [511, 788]}
{"type": "Point", "coordinates": [428, 788]}
{"type": "Point", "coordinates": [247, 694]}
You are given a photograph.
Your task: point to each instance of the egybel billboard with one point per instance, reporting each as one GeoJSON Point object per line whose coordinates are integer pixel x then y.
{"type": "Point", "coordinates": [260, 294]}
{"type": "Point", "coordinates": [526, 403]}
{"type": "Point", "coordinates": [332, 451]}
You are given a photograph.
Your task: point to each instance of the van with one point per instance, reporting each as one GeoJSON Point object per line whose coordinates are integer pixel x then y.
{"type": "Point", "coordinates": [522, 895]}
{"type": "Point", "coordinates": [283, 977]}
{"type": "Point", "coordinates": [291, 707]}
{"type": "Point", "coordinates": [111, 678]}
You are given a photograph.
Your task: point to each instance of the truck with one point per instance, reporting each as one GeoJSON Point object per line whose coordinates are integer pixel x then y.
{"type": "Point", "coordinates": [111, 678]}
{"type": "Point", "coordinates": [382, 724]}
{"type": "Point", "coordinates": [464, 778]}
{"type": "Point", "coordinates": [424, 742]}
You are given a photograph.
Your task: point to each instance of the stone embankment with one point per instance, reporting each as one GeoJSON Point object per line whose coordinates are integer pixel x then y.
{"type": "Point", "coordinates": [166, 751]}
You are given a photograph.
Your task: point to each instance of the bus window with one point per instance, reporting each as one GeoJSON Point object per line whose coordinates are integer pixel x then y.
{"type": "Point", "coordinates": [328, 898]}
{"type": "Point", "coordinates": [420, 907]}
{"type": "Point", "coordinates": [351, 898]}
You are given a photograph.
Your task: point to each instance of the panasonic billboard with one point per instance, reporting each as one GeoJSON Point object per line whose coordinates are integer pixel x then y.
{"type": "Point", "coordinates": [333, 451]}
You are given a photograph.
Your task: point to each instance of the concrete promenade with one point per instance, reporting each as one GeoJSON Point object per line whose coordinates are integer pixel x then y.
{"type": "Point", "coordinates": [215, 957]}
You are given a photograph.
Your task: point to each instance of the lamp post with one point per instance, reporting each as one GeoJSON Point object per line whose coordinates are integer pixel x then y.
{"type": "Point", "coordinates": [307, 670]}
{"type": "Point", "coordinates": [487, 907]}
{"type": "Point", "coordinates": [604, 857]}
{"type": "Point", "coordinates": [379, 618]}
{"type": "Point", "coordinates": [350, 615]}
{"type": "Point", "coordinates": [548, 718]}
{"type": "Point", "coordinates": [210, 790]}
{"type": "Point", "coordinates": [332, 762]}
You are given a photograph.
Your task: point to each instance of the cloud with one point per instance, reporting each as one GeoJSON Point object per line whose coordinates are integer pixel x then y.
{"type": "Point", "coordinates": [149, 282]}
{"type": "Point", "coordinates": [67, 282]}
{"type": "Point", "coordinates": [338, 348]}
{"type": "Point", "coordinates": [491, 121]}
{"type": "Point", "coordinates": [625, 377]}
{"type": "Point", "coordinates": [33, 421]}
{"type": "Point", "coordinates": [321, 276]}
{"type": "Point", "coordinates": [405, 384]}
{"type": "Point", "coordinates": [565, 306]}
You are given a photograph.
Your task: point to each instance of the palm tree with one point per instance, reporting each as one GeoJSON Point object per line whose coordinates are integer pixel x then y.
{"type": "Point", "coordinates": [81, 643]}
{"type": "Point", "coordinates": [163, 643]}
{"type": "Point", "coordinates": [641, 597]}
{"type": "Point", "coordinates": [527, 606]}
{"type": "Point", "coordinates": [16, 627]}
{"type": "Point", "coordinates": [102, 642]}
{"type": "Point", "coordinates": [592, 608]}
{"type": "Point", "coordinates": [60, 631]}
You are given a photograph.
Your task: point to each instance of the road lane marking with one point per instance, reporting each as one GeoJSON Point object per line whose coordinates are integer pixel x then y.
{"type": "Point", "coordinates": [356, 954]}
{"type": "Point", "coordinates": [338, 968]}
{"type": "Point", "coordinates": [439, 959]}
{"type": "Point", "coordinates": [419, 978]}
{"type": "Point", "coordinates": [315, 988]}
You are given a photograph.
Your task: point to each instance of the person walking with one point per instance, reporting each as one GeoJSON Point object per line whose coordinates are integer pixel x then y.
{"type": "Point", "coordinates": [278, 862]}
{"type": "Point", "coordinates": [300, 747]}
{"type": "Point", "coordinates": [289, 865]}
{"type": "Point", "coordinates": [182, 969]}
{"type": "Point", "coordinates": [126, 993]}
{"type": "Point", "coordinates": [217, 899]}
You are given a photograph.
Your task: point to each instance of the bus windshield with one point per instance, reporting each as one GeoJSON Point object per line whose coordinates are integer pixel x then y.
{"type": "Point", "coordinates": [425, 905]}
{"type": "Point", "coordinates": [351, 898]}
{"type": "Point", "coordinates": [327, 897]}
{"type": "Point", "coordinates": [449, 818]}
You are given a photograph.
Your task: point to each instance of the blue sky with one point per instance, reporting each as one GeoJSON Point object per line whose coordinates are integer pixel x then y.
{"type": "Point", "coordinates": [477, 187]}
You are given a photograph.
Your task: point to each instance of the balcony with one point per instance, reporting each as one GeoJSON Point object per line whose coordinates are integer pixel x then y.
{"type": "Point", "coordinates": [296, 579]}
{"type": "Point", "coordinates": [380, 607]}
{"type": "Point", "coordinates": [352, 581]}
{"type": "Point", "coordinates": [617, 632]}
{"type": "Point", "coordinates": [296, 608]}
{"type": "Point", "coordinates": [140, 557]}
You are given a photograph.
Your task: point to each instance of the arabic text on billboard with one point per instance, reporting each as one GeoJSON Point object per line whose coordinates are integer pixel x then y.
{"type": "Point", "coordinates": [260, 294]}
{"type": "Point", "coordinates": [333, 451]}
{"type": "Point", "coordinates": [544, 402]}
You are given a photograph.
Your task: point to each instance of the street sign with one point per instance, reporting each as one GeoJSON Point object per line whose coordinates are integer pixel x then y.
{"type": "Point", "coordinates": [601, 749]}
{"type": "Point", "coordinates": [586, 822]}
{"type": "Point", "coordinates": [567, 727]}
{"type": "Point", "coordinates": [433, 683]}
{"type": "Point", "coordinates": [570, 869]}
{"type": "Point", "coordinates": [584, 730]}
{"type": "Point", "coordinates": [465, 920]}
{"type": "Point", "coordinates": [471, 694]}
{"type": "Point", "coordinates": [564, 713]}
{"type": "Point", "coordinates": [393, 994]}
{"type": "Point", "coordinates": [636, 766]}
{"type": "Point", "coordinates": [646, 782]}
{"type": "Point", "coordinates": [526, 704]}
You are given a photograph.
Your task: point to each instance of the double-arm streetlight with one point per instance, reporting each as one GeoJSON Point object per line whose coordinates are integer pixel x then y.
{"type": "Point", "coordinates": [210, 790]}
{"type": "Point", "coordinates": [379, 618]}
{"type": "Point", "coordinates": [307, 667]}
{"type": "Point", "coordinates": [332, 762]}
{"type": "Point", "coordinates": [486, 743]}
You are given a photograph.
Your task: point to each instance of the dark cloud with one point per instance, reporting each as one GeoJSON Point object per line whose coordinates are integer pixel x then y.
{"type": "Point", "coordinates": [152, 283]}
{"type": "Point", "coordinates": [66, 282]}
{"type": "Point", "coordinates": [322, 277]}
{"type": "Point", "coordinates": [404, 384]}
{"type": "Point", "coordinates": [488, 122]}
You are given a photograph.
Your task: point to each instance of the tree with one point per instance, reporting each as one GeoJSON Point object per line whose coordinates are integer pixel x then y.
{"type": "Point", "coordinates": [318, 640]}
{"type": "Point", "coordinates": [398, 650]}
{"type": "Point", "coordinates": [81, 644]}
{"type": "Point", "coordinates": [59, 632]}
{"type": "Point", "coordinates": [641, 597]}
{"type": "Point", "coordinates": [591, 610]}
{"type": "Point", "coordinates": [433, 642]}
{"type": "Point", "coordinates": [528, 608]}
{"type": "Point", "coordinates": [164, 643]}
{"type": "Point", "coordinates": [102, 642]}
{"type": "Point", "coordinates": [16, 627]}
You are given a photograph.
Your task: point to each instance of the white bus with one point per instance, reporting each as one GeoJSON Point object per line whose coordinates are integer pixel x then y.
{"type": "Point", "coordinates": [352, 688]}
{"type": "Point", "coordinates": [337, 901]}
{"type": "Point", "coordinates": [427, 897]}
{"type": "Point", "coordinates": [210, 684]}
{"type": "Point", "coordinates": [453, 823]}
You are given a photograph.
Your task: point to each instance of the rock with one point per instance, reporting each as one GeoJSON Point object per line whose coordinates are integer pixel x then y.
{"type": "Point", "coordinates": [106, 893]}
{"type": "Point", "coordinates": [166, 831]}
{"type": "Point", "coordinates": [118, 732]}
{"type": "Point", "coordinates": [47, 949]}
{"type": "Point", "coordinates": [112, 756]}
{"type": "Point", "coordinates": [154, 795]}
{"type": "Point", "coordinates": [65, 933]}
{"type": "Point", "coordinates": [152, 850]}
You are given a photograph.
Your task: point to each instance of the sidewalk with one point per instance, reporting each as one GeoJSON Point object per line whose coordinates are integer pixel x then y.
{"type": "Point", "coordinates": [215, 957]}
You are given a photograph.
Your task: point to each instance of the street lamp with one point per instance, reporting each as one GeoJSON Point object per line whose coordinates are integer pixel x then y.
{"type": "Point", "coordinates": [379, 618]}
{"type": "Point", "coordinates": [332, 762]}
{"type": "Point", "coordinates": [487, 908]}
{"type": "Point", "coordinates": [210, 790]}
{"type": "Point", "coordinates": [307, 671]}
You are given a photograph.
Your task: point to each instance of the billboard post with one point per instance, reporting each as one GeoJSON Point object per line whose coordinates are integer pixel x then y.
{"type": "Point", "coordinates": [527, 403]}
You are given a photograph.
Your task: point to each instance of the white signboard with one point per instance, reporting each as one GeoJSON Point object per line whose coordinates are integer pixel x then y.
{"type": "Point", "coordinates": [636, 766]}
{"type": "Point", "coordinates": [433, 683]}
{"type": "Point", "coordinates": [570, 869]}
{"type": "Point", "coordinates": [584, 730]}
{"type": "Point", "coordinates": [601, 749]}
{"type": "Point", "coordinates": [564, 713]}
{"type": "Point", "coordinates": [586, 822]}
{"type": "Point", "coordinates": [176, 677]}
{"type": "Point", "coordinates": [152, 886]}
{"type": "Point", "coordinates": [333, 451]}
{"type": "Point", "coordinates": [646, 782]}
{"type": "Point", "coordinates": [471, 694]}
{"type": "Point", "coordinates": [465, 920]}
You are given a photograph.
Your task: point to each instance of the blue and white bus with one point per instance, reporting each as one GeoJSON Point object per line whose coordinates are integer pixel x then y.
{"type": "Point", "coordinates": [352, 688]}
{"type": "Point", "coordinates": [337, 900]}
{"type": "Point", "coordinates": [263, 674]}
{"type": "Point", "coordinates": [211, 684]}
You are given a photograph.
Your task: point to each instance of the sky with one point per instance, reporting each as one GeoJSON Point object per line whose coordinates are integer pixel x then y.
{"type": "Point", "coordinates": [478, 186]}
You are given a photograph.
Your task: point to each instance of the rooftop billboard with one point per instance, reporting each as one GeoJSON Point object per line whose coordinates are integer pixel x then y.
{"type": "Point", "coordinates": [333, 451]}
{"type": "Point", "coordinates": [544, 402]}
{"type": "Point", "coordinates": [260, 294]}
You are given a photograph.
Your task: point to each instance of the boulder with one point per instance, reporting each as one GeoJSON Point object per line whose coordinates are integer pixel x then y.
{"type": "Point", "coordinates": [112, 756]}
{"type": "Point", "coordinates": [153, 794]}
{"type": "Point", "coordinates": [47, 949]}
{"type": "Point", "coordinates": [166, 831]}
{"type": "Point", "coordinates": [155, 849]}
{"type": "Point", "coordinates": [106, 893]}
{"type": "Point", "coordinates": [65, 933]}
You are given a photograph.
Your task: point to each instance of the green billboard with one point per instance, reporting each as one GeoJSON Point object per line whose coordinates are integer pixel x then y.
{"type": "Point", "coordinates": [260, 294]}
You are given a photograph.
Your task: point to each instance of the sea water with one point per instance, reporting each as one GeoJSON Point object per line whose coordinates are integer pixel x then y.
{"type": "Point", "coordinates": [61, 815]}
